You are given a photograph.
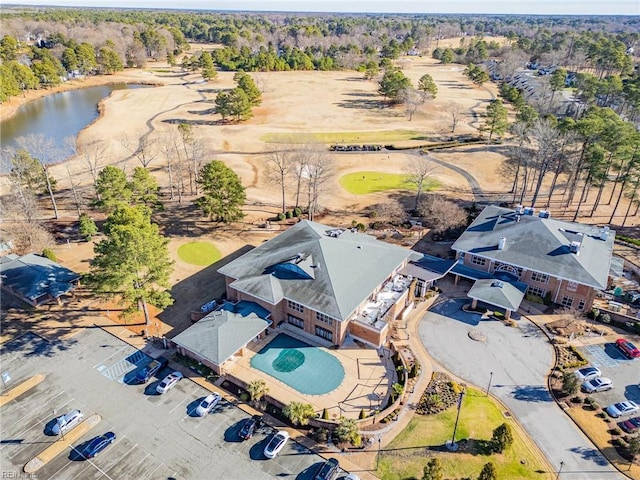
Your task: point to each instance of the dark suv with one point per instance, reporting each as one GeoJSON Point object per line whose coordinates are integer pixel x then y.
{"type": "Point", "coordinates": [250, 427]}
{"type": "Point", "coordinates": [153, 367]}
{"type": "Point", "coordinates": [329, 470]}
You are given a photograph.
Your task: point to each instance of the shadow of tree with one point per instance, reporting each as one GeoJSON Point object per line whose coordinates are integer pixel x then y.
{"type": "Point", "coordinates": [592, 454]}
{"type": "Point", "coordinates": [194, 291]}
{"type": "Point", "coordinates": [532, 393]}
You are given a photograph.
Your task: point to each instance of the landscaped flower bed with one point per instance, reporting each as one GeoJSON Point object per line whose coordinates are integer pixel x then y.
{"type": "Point", "coordinates": [439, 395]}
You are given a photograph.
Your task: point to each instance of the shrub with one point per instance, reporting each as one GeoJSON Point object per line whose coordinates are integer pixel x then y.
{"type": "Point", "coordinates": [361, 227]}
{"type": "Point", "coordinates": [362, 414]}
{"type": "Point", "coordinates": [325, 414]}
{"type": "Point", "coordinates": [289, 214]}
{"type": "Point", "coordinates": [48, 253]}
{"type": "Point", "coordinates": [604, 318]}
{"type": "Point", "coordinates": [502, 438]}
{"type": "Point", "coordinates": [321, 435]}
{"type": "Point", "coordinates": [281, 216]}
{"type": "Point", "coordinates": [615, 431]}
{"type": "Point", "coordinates": [244, 397]}
{"type": "Point", "coordinates": [87, 227]}
{"type": "Point", "coordinates": [297, 212]}
{"type": "Point", "coordinates": [347, 431]}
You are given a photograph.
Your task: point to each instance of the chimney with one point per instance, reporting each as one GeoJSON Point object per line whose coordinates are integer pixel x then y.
{"type": "Point", "coordinates": [604, 233]}
{"type": "Point", "coordinates": [502, 243]}
{"type": "Point", "coordinates": [575, 247]}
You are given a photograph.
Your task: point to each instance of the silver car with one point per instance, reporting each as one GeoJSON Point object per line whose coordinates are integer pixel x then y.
{"type": "Point", "coordinates": [169, 382]}
{"type": "Point", "coordinates": [66, 422]}
{"type": "Point", "coordinates": [598, 384]}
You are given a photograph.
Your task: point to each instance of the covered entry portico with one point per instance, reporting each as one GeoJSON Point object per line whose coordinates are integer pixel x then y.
{"type": "Point", "coordinates": [498, 293]}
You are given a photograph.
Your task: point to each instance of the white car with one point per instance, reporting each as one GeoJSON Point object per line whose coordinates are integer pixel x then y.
{"type": "Point", "coordinates": [169, 382]}
{"type": "Point", "coordinates": [351, 476]}
{"type": "Point", "coordinates": [208, 404]}
{"type": "Point", "coordinates": [66, 422]}
{"type": "Point", "coordinates": [622, 409]}
{"type": "Point", "coordinates": [598, 384]}
{"type": "Point", "coordinates": [276, 444]}
{"type": "Point", "coordinates": [587, 373]}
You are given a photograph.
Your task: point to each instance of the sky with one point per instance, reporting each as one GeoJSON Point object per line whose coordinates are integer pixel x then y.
{"type": "Point", "coordinates": [538, 7]}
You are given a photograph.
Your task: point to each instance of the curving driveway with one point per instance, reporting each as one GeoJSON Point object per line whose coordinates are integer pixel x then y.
{"type": "Point", "coordinates": [520, 359]}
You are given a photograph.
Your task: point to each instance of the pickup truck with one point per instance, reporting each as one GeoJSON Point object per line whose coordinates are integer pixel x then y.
{"type": "Point", "coordinates": [153, 367]}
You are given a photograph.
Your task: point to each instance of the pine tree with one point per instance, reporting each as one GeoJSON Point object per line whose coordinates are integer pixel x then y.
{"type": "Point", "coordinates": [223, 192]}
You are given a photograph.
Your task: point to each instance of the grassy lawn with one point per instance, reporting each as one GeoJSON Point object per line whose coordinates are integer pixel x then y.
{"type": "Point", "coordinates": [362, 183]}
{"type": "Point", "coordinates": [199, 253]}
{"type": "Point", "coordinates": [383, 137]}
{"type": "Point", "coordinates": [425, 436]}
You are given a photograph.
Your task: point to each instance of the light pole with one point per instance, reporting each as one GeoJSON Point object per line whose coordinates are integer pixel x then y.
{"type": "Point", "coordinates": [560, 470]}
{"type": "Point", "coordinates": [451, 444]}
{"type": "Point", "coordinates": [378, 456]}
{"type": "Point", "coordinates": [489, 386]}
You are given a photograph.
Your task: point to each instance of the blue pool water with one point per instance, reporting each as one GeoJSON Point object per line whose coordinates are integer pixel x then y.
{"type": "Point", "coordinates": [307, 369]}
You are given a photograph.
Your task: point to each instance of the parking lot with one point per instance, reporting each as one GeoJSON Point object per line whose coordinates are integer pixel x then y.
{"type": "Point", "coordinates": [158, 436]}
{"type": "Point", "coordinates": [613, 364]}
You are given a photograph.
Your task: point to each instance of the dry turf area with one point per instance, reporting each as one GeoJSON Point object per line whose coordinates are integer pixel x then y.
{"type": "Point", "coordinates": [296, 104]}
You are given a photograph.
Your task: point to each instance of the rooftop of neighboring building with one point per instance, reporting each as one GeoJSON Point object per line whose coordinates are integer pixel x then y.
{"type": "Point", "coordinates": [571, 251]}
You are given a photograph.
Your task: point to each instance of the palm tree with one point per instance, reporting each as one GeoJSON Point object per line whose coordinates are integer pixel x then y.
{"type": "Point", "coordinates": [257, 390]}
{"type": "Point", "coordinates": [299, 413]}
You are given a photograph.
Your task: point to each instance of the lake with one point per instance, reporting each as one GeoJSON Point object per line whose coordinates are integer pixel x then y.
{"type": "Point", "coordinates": [57, 116]}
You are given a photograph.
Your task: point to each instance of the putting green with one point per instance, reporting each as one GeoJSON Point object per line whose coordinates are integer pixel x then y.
{"type": "Point", "coordinates": [199, 253]}
{"type": "Point", "coordinates": [362, 183]}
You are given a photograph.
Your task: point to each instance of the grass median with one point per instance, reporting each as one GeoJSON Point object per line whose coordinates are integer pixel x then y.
{"type": "Point", "coordinates": [426, 435]}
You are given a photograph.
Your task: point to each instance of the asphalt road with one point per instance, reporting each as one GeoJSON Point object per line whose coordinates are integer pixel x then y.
{"type": "Point", "coordinates": [158, 436]}
{"type": "Point", "coordinates": [520, 359]}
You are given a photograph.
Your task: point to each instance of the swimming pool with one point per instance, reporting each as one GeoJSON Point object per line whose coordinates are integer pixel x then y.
{"type": "Point", "coordinates": [307, 369]}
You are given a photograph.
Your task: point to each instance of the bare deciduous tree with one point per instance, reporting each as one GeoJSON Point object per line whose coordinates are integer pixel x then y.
{"type": "Point", "coordinates": [412, 99]}
{"type": "Point", "coordinates": [419, 169]}
{"type": "Point", "coordinates": [317, 173]}
{"type": "Point", "coordinates": [278, 168]}
{"type": "Point", "coordinates": [441, 214]}
{"type": "Point", "coordinates": [455, 114]}
{"type": "Point", "coordinates": [390, 212]}
{"type": "Point", "coordinates": [43, 149]}
{"type": "Point", "coordinates": [144, 150]}
{"type": "Point", "coordinates": [93, 155]}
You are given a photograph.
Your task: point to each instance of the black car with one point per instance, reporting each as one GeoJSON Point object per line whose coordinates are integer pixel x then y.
{"type": "Point", "coordinates": [153, 367]}
{"type": "Point", "coordinates": [98, 444]}
{"type": "Point", "coordinates": [329, 470]}
{"type": "Point", "coordinates": [250, 427]}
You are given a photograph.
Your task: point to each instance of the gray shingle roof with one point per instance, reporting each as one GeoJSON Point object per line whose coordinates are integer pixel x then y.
{"type": "Point", "coordinates": [498, 293]}
{"type": "Point", "coordinates": [336, 273]}
{"type": "Point", "coordinates": [540, 244]}
{"type": "Point", "coordinates": [221, 334]}
{"type": "Point", "coordinates": [33, 276]}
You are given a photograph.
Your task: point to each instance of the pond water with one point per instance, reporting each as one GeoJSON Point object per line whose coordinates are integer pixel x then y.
{"type": "Point", "coordinates": [57, 116]}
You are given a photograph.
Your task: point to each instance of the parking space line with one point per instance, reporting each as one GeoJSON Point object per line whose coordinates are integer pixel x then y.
{"type": "Point", "coordinates": [22, 432]}
{"type": "Point", "coordinates": [187, 399]}
{"type": "Point", "coordinates": [600, 357]}
{"type": "Point", "coordinates": [150, 474]}
{"type": "Point", "coordinates": [69, 462]}
{"type": "Point", "coordinates": [102, 361]}
{"type": "Point", "coordinates": [94, 466]}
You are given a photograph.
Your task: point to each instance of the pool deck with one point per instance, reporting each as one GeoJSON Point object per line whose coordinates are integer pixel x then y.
{"type": "Point", "coordinates": [366, 374]}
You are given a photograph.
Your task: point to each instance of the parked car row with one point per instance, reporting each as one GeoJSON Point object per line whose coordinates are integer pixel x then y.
{"type": "Point", "coordinates": [67, 422]}
{"type": "Point", "coordinates": [592, 381]}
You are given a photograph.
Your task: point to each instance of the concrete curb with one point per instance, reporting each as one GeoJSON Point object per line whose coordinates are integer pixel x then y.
{"type": "Point", "coordinates": [18, 390]}
{"type": "Point", "coordinates": [61, 444]}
